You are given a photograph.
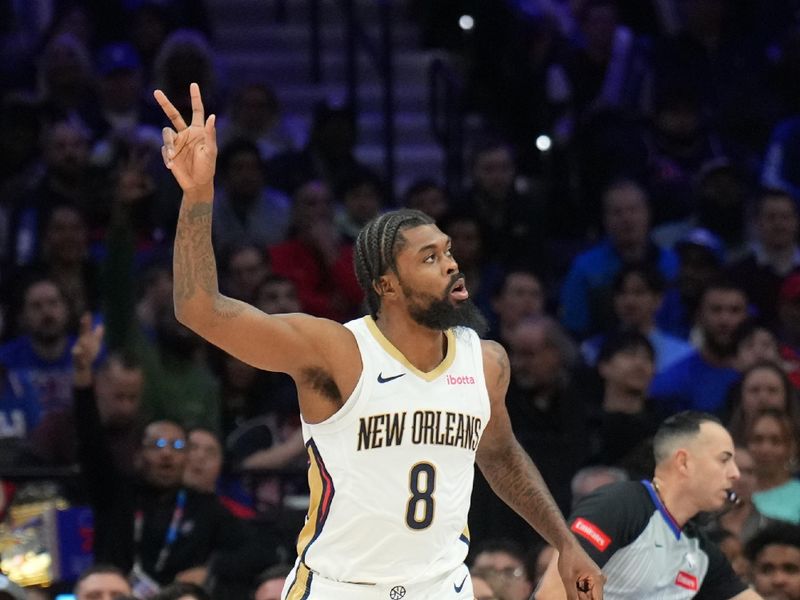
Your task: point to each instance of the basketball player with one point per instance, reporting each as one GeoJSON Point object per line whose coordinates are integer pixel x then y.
{"type": "Point", "coordinates": [396, 406]}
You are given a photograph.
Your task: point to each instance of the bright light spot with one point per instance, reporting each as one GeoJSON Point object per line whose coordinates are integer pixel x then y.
{"type": "Point", "coordinates": [466, 22]}
{"type": "Point", "coordinates": [544, 143]}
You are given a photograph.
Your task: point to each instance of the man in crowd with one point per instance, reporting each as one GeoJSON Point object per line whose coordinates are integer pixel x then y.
{"type": "Point", "coordinates": [102, 582]}
{"type": "Point", "coordinates": [149, 524]}
{"type": "Point", "coordinates": [701, 380]}
{"type": "Point", "coordinates": [775, 557]}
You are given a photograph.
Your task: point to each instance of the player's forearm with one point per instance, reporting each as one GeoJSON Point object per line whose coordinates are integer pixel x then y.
{"type": "Point", "coordinates": [516, 480]}
{"type": "Point", "coordinates": [195, 288]}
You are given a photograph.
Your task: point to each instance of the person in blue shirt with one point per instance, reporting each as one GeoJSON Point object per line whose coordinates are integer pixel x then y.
{"type": "Point", "coordinates": [701, 380]}
{"type": "Point", "coordinates": [41, 356]}
{"type": "Point", "coordinates": [586, 305]}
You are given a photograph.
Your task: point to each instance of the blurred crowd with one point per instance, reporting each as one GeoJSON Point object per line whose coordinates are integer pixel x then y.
{"type": "Point", "coordinates": [645, 261]}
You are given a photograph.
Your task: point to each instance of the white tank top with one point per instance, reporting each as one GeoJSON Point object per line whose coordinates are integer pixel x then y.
{"type": "Point", "coordinates": [391, 472]}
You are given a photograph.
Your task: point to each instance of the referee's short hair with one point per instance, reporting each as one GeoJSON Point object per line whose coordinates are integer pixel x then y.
{"type": "Point", "coordinates": [677, 429]}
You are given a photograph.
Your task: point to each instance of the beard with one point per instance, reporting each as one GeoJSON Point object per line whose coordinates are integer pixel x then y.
{"type": "Point", "coordinates": [441, 313]}
{"type": "Point", "coordinates": [723, 348]}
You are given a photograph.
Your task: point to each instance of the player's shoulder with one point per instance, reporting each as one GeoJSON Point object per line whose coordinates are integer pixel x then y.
{"type": "Point", "coordinates": [496, 365]}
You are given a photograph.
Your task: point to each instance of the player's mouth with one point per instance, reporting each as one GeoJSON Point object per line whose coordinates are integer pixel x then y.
{"type": "Point", "coordinates": [459, 291]}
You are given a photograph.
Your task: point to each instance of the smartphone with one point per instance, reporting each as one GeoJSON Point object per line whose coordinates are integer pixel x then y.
{"type": "Point", "coordinates": [65, 597]}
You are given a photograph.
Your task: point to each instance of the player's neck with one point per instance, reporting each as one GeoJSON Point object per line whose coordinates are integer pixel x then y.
{"type": "Point", "coordinates": [677, 503]}
{"type": "Point", "coordinates": [423, 347]}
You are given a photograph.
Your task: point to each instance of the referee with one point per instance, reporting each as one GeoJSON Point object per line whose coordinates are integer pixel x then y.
{"type": "Point", "coordinates": [641, 533]}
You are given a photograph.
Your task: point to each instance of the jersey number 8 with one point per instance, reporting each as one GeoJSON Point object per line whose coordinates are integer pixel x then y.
{"type": "Point", "coordinates": [422, 483]}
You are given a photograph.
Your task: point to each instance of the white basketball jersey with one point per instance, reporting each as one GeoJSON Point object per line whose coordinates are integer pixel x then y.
{"type": "Point", "coordinates": [391, 472]}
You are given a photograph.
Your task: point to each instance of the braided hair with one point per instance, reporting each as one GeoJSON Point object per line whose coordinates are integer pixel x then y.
{"type": "Point", "coordinates": [377, 246]}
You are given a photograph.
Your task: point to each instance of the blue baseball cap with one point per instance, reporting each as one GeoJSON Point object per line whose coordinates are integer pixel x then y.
{"type": "Point", "coordinates": [703, 238]}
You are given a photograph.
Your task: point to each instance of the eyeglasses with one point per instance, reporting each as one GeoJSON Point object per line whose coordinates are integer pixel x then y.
{"type": "Point", "coordinates": [178, 445]}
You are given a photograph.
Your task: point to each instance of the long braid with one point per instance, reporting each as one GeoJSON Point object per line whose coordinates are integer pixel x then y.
{"type": "Point", "coordinates": [377, 246]}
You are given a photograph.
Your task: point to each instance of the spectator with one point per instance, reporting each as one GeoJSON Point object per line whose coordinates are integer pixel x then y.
{"type": "Point", "coordinates": [772, 440]}
{"type": "Point", "coordinates": [680, 141]}
{"type": "Point", "coordinates": [203, 461]}
{"type": "Point", "coordinates": [102, 582]}
{"type": "Point", "coordinates": [755, 344]}
{"type": "Point", "coordinates": [67, 178]}
{"type": "Point", "coordinates": [41, 356]}
{"type": "Point", "coordinates": [65, 79]}
{"type": "Point", "coordinates": [620, 432]}
{"type": "Point", "coordinates": [775, 556]}
{"type": "Point", "coordinates": [185, 56]}
{"type": "Point", "coordinates": [270, 582]}
{"type": "Point", "coordinates": [132, 514]}
{"type": "Point", "coordinates": [733, 548]}
{"type": "Point", "coordinates": [700, 256]}
{"type": "Point", "coordinates": [64, 258]}
{"type": "Point", "coordinates": [589, 479]}
{"type": "Point", "coordinates": [362, 196]}
{"type": "Point", "coordinates": [182, 591]}
{"type": "Point", "coordinates": [502, 563]}
{"type": "Point", "coordinates": [246, 209]}
{"type": "Point", "coordinates": [586, 293]}
{"type": "Point", "coordinates": [276, 295]}
{"type": "Point", "coordinates": [763, 386]}
{"type": "Point", "coordinates": [316, 259]}
{"type": "Point", "coordinates": [118, 387]}
{"type": "Point", "coordinates": [638, 295]}
{"type": "Point", "coordinates": [255, 115]}
{"type": "Point", "coordinates": [329, 155]}
{"type": "Point", "coordinates": [512, 219]}
{"type": "Point", "coordinates": [124, 112]}
{"type": "Point", "coordinates": [701, 380]}
{"type": "Point", "coordinates": [429, 197]}
{"type": "Point", "coordinates": [519, 296]}
{"type": "Point", "coordinates": [246, 266]}
{"type": "Point", "coordinates": [774, 253]}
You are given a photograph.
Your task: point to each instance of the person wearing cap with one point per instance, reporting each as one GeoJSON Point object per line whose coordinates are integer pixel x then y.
{"type": "Point", "coordinates": [586, 306]}
{"type": "Point", "coordinates": [701, 380]}
{"type": "Point", "coordinates": [123, 108]}
{"type": "Point", "coordinates": [773, 255]}
{"type": "Point", "coordinates": [701, 255]}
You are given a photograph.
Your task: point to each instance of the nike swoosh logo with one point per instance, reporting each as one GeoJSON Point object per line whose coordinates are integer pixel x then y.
{"type": "Point", "coordinates": [458, 588]}
{"type": "Point", "coordinates": [382, 379]}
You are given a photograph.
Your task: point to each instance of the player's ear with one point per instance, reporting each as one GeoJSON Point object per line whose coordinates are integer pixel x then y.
{"type": "Point", "coordinates": [384, 286]}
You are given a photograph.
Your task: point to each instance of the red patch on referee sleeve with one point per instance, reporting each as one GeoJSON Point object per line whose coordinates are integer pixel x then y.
{"type": "Point", "coordinates": [687, 580]}
{"type": "Point", "coordinates": [591, 532]}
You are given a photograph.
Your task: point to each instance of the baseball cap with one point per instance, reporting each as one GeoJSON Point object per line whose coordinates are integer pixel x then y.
{"type": "Point", "coordinates": [790, 288]}
{"type": "Point", "coordinates": [703, 238]}
{"type": "Point", "coordinates": [119, 56]}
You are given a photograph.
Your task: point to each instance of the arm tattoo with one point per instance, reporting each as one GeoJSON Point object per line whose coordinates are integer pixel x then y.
{"type": "Point", "coordinates": [516, 480]}
{"type": "Point", "coordinates": [194, 266]}
{"type": "Point", "coordinates": [502, 361]}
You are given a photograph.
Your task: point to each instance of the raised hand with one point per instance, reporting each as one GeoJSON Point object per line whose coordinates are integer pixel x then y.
{"type": "Point", "coordinates": [85, 350]}
{"type": "Point", "coordinates": [189, 151]}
